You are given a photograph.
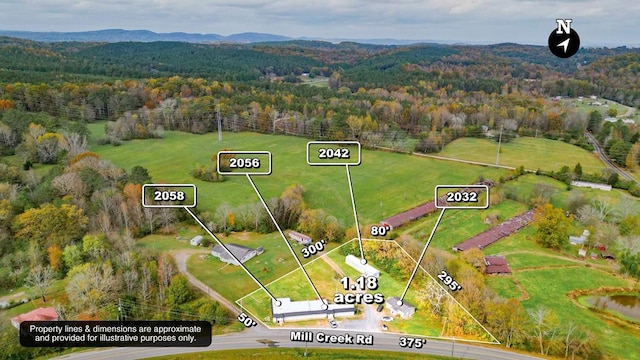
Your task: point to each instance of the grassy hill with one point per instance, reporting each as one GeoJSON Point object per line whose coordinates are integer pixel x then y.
{"type": "Point", "coordinates": [384, 184]}
{"type": "Point", "coordinates": [532, 153]}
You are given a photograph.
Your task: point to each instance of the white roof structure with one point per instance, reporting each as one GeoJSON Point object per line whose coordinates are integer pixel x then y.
{"type": "Point", "coordinates": [288, 308]}
{"type": "Point", "coordinates": [197, 240]}
{"type": "Point", "coordinates": [604, 187]}
{"type": "Point", "coordinates": [364, 269]}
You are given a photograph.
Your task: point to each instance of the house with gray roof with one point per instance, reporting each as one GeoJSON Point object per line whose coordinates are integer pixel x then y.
{"type": "Point", "coordinates": [405, 310]}
{"type": "Point", "coordinates": [242, 253]}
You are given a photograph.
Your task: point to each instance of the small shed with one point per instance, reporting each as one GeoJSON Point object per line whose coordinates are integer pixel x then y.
{"type": "Point", "coordinates": [196, 241]}
{"type": "Point", "coordinates": [582, 252]}
{"type": "Point", "coordinates": [606, 255]}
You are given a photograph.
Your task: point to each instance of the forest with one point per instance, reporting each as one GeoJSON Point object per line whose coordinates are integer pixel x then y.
{"type": "Point", "coordinates": [67, 213]}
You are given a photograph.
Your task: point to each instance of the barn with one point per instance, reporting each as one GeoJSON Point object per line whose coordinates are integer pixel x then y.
{"type": "Point", "coordinates": [496, 265]}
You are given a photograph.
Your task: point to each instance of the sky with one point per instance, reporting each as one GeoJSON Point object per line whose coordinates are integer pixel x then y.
{"type": "Point", "coordinates": [604, 22]}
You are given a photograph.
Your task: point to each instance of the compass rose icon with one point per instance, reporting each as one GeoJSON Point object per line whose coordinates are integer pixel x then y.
{"type": "Point", "coordinates": [564, 41]}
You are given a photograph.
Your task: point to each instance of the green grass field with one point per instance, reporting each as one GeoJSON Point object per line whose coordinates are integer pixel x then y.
{"type": "Point", "coordinates": [275, 262]}
{"type": "Point", "coordinates": [532, 153]}
{"type": "Point", "coordinates": [527, 260]}
{"type": "Point", "coordinates": [384, 184]}
{"type": "Point", "coordinates": [177, 241]}
{"type": "Point", "coordinates": [524, 185]}
{"type": "Point", "coordinates": [549, 287]}
{"type": "Point", "coordinates": [503, 286]}
{"type": "Point", "coordinates": [327, 281]}
{"type": "Point", "coordinates": [450, 230]}
{"type": "Point", "coordinates": [586, 108]}
{"type": "Point", "coordinates": [298, 353]}
{"type": "Point", "coordinates": [55, 292]}
{"type": "Point", "coordinates": [319, 81]}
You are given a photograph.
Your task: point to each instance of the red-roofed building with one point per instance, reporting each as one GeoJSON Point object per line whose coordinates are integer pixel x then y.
{"type": "Point", "coordinates": [40, 314]}
{"type": "Point", "coordinates": [409, 215]}
{"type": "Point", "coordinates": [425, 209]}
{"type": "Point", "coordinates": [496, 233]}
{"type": "Point", "coordinates": [496, 265]}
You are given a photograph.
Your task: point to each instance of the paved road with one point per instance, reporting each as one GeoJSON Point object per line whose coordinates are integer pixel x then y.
{"type": "Point", "coordinates": [181, 257]}
{"type": "Point", "coordinates": [280, 338]}
{"type": "Point", "coordinates": [606, 159]}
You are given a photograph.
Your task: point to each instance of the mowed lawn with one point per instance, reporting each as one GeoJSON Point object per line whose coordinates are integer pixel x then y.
{"type": "Point", "coordinates": [231, 281]}
{"type": "Point", "coordinates": [384, 184]}
{"type": "Point", "coordinates": [532, 153]}
{"type": "Point", "coordinates": [278, 353]}
{"type": "Point", "coordinates": [549, 285]}
{"type": "Point", "coordinates": [459, 225]}
{"type": "Point", "coordinates": [327, 281]}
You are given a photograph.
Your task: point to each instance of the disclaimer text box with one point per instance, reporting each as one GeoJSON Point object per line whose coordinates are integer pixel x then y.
{"type": "Point", "coordinates": [115, 333]}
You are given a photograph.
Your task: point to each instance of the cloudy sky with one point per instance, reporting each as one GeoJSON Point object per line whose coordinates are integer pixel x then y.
{"type": "Point", "coordinates": [604, 22]}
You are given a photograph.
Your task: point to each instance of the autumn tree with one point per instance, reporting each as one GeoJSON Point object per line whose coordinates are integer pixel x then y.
{"type": "Point", "coordinates": [91, 286]}
{"type": "Point", "coordinates": [312, 222]}
{"type": "Point", "coordinates": [55, 256]}
{"type": "Point", "coordinates": [72, 256]}
{"type": "Point", "coordinates": [475, 258]}
{"type": "Point", "coordinates": [508, 321]}
{"type": "Point", "coordinates": [544, 327]}
{"type": "Point", "coordinates": [552, 226]}
{"type": "Point", "coordinates": [179, 291]}
{"type": "Point", "coordinates": [633, 157]}
{"type": "Point", "coordinates": [40, 278]}
{"type": "Point", "coordinates": [50, 224]}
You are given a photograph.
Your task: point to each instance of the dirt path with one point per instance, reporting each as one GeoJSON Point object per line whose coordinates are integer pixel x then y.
{"type": "Point", "coordinates": [630, 111]}
{"type": "Point", "coordinates": [181, 257]}
{"type": "Point", "coordinates": [333, 265]}
{"type": "Point", "coordinates": [524, 295]}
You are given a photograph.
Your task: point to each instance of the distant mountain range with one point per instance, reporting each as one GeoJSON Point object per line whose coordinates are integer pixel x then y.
{"type": "Point", "coordinates": [120, 35]}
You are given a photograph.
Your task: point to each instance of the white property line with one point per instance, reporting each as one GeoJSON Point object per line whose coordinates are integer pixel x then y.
{"type": "Point", "coordinates": [355, 215]}
{"type": "Point", "coordinates": [230, 253]}
{"type": "Point", "coordinates": [326, 305]}
{"type": "Point", "coordinates": [424, 251]}
{"type": "Point", "coordinates": [494, 342]}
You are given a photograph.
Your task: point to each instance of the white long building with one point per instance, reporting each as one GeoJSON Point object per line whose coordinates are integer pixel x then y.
{"type": "Point", "coordinates": [307, 310]}
{"type": "Point", "coordinates": [364, 269]}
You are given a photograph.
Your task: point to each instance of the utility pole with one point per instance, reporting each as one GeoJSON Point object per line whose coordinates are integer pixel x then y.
{"type": "Point", "coordinates": [219, 122]}
{"type": "Point", "coordinates": [499, 143]}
